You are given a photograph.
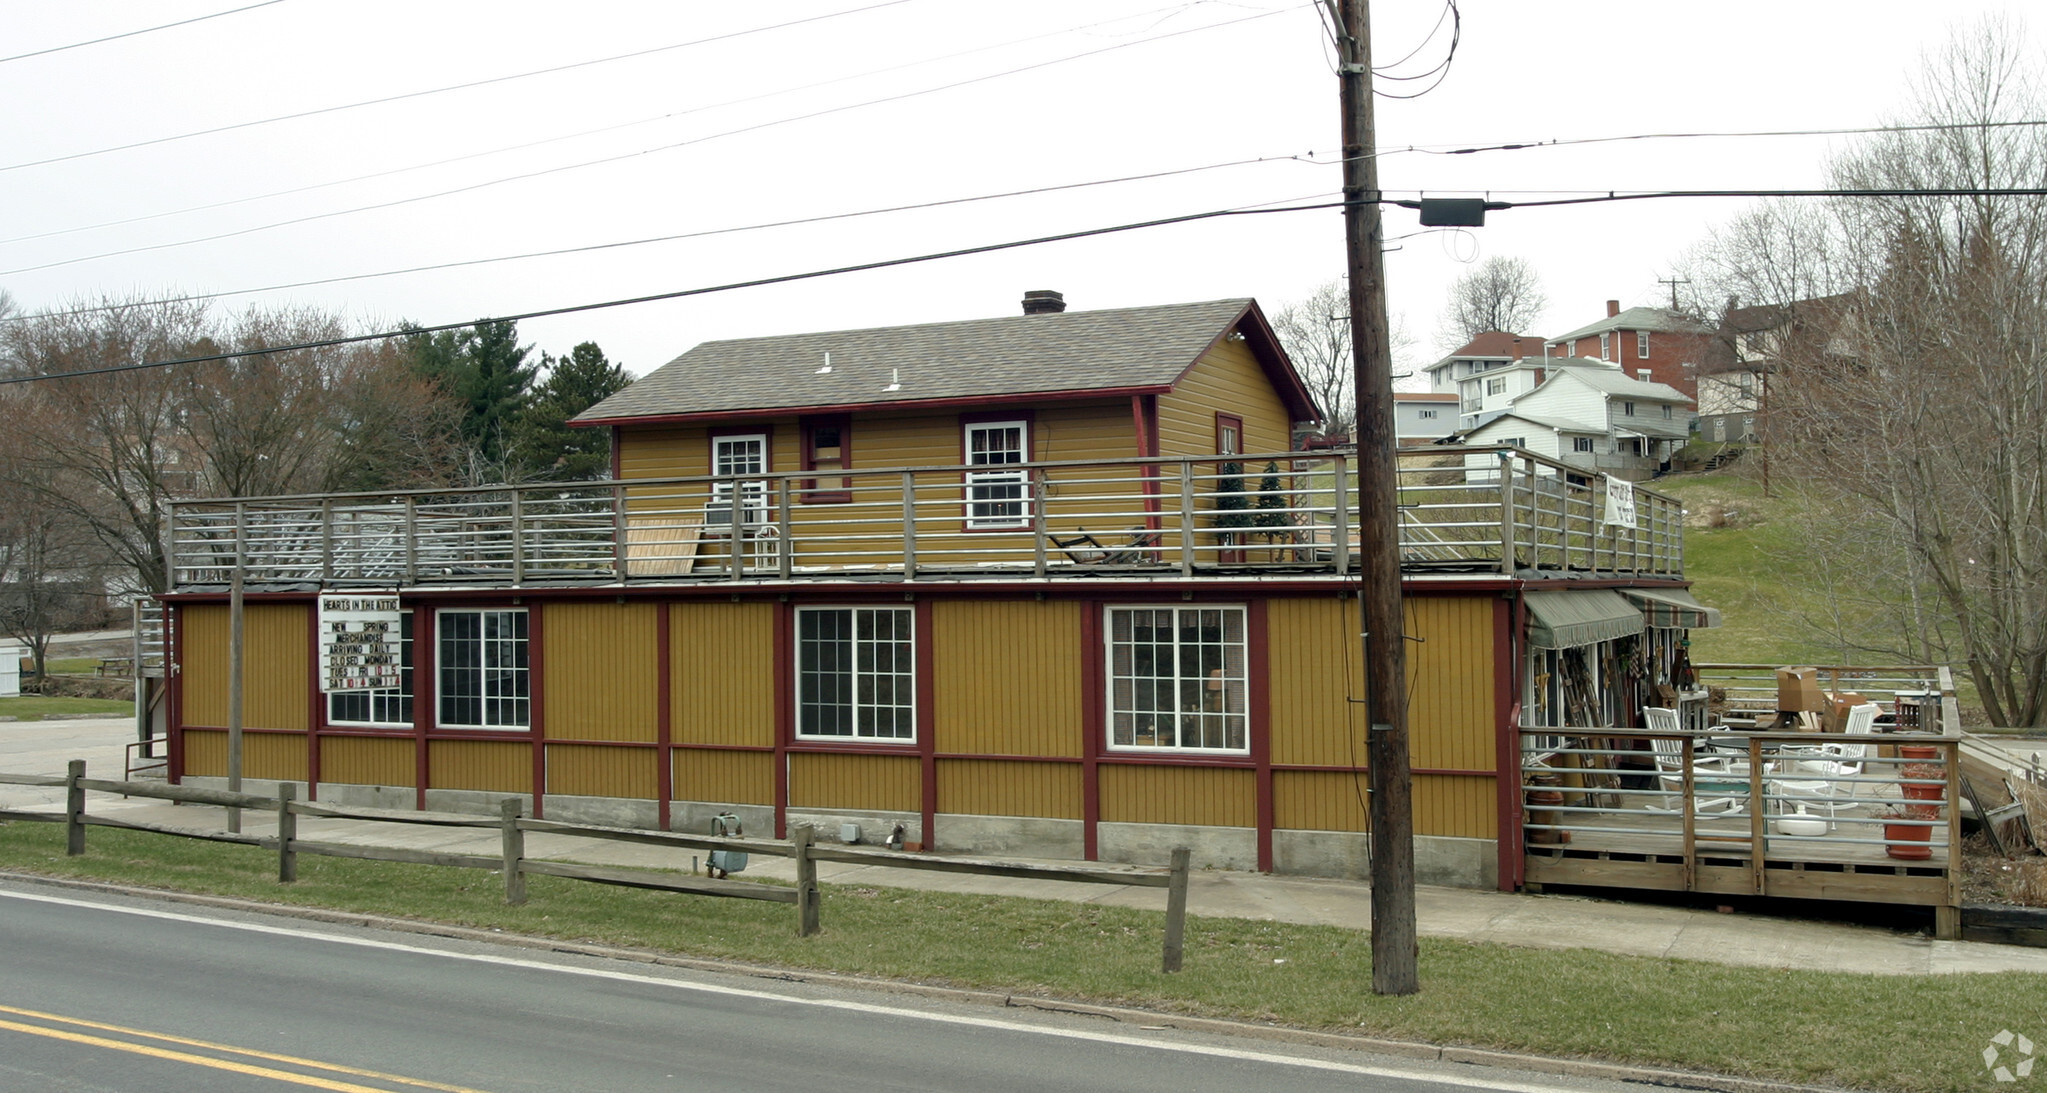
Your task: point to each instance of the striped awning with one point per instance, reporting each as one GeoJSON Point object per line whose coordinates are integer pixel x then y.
{"type": "Point", "coordinates": [1567, 619]}
{"type": "Point", "coordinates": [1673, 609]}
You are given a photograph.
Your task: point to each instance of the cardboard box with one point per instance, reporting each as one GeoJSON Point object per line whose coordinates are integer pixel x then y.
{"type": "Point", "coordinates": [1798, 689]}
{"type": "Point", "coordinates": [1837, 710]}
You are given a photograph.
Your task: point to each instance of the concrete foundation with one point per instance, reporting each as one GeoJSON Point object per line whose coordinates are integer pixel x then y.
{"type": "Point", "coordinates": [874, 826]}
{"type": "Point", "coordinates": [1153, 844]}
{"type": "Point", "coordinates": [1020, 836]}
{"type": "Point", "coordinates": [1438, 859]}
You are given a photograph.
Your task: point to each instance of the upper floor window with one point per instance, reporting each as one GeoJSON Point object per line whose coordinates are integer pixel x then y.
{"type": "Point", "coordinates": [1606, 347]}
{"type": "Point", "coordinates": [995, 498]}
{"type": "Point", "coordinates": [827, 447]}
{"type": "Point", "coordinates": [481, 670]}
{"type": "Point", "coordinates": [855, 673]}
{"type": "Point", "coordinates": [1642, 344]}
{"type": "Point", "coordinates": [1581, 443]}
{"type": "Point", "coordinates": [1229, 434]}
{"type": "Point", "coordinates": [387, 708]}
{"type": "Point", "coordinates": [1627, 409]}
{"type": "Point", "coordinates": [1178, 679]}
{"type": "Point", "coordinates": [1496, 386]}
{"type": "Point", "coordinates": [735, 455]}
{"type": "Point", "coordinates": [1426, 414]}
{"type": "Point", "coordinates": [1667, 414]}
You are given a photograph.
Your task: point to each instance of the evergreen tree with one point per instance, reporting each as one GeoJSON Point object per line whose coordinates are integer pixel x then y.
{"type": "Point", "coordinates": [545, 443]}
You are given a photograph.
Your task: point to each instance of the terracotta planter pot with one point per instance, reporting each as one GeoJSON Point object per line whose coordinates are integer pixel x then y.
{"type": "Point", "coordinates": [1924, 764]}
{"type": "Point", "coordinates": [1909, 833]}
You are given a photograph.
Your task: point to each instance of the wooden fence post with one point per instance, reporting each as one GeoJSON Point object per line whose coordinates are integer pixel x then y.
{"type": "Point", "coordinates": [287, 830]}
{"type": "Point", "coordinates": [515, 849]}
{"type": "Point", "coordinates": [74, 809]}
{"type": "Point", "coordinates": [806, 881]}
{"type": "Point", "coordinates": [1176, 910]}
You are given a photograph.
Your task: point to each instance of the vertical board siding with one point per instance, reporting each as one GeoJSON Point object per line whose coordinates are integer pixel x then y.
{"type": "Point", "coordinates": [586, 771]}
{"type": "Point", "coordinates": [1315, 663]}
{"type": "Point", "coordinates": [600, 667]}
{"type": "Point", "coordinates": [1227, 378]}
{"type": "Point", "coordinates": [1313, 800]}
{"type": "Point", "coordinates": [991, 787]}
{"type": "Point", "coordinates": [205, 754]}
{"type": "Point", "coordinates": [1457, 805]}
{"type": "Point", "coordinates": [1207, 796]}
{"type": "Point", "coordinates": [723, 659]}
{"type": "Point", "coordinates": [273, 756]}
{"type": "Point", "coordinates": [276, 664]}
{"type": "Point", "coordinates": [367, 761]}
{"type": "Point", "coordinates": [725, 777]}
{"type": "Point", "coordinates": [1006, 677]}
{"type": "Point", "coordinates": [1450, 681]}
{"type": "Point", "coordinates": [882, 782]}
{"type": "Point", "coordinates": [480, 764]}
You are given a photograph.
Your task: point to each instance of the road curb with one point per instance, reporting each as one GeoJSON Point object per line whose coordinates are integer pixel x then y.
{"type": "Point", "coordinates": [1408, 1049]}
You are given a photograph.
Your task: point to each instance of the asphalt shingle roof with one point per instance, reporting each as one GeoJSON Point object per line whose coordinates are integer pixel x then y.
{"type": "Point", "coordinates": [1063, 352]}
{"type": "Point", "coordinates": [1652, 319]}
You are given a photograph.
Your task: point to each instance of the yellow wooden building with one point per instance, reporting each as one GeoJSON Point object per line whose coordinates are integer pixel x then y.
{"type": "Point", "coordinates": [1055, 584]}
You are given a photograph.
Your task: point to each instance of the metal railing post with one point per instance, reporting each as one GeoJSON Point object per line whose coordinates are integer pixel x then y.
{"type": "Point", "coordinates": [1186, 518]}
{"type": "Point", "coordinates": [785, 546]}
{"type": "Point", "coordinates": [518, 537]}
{"type": "Point", "coordinates": [1340, 530]}
{"type": "Point", "coordinates": [909, 524]}
{"type": "Point", "coordinates": [1506, 514]}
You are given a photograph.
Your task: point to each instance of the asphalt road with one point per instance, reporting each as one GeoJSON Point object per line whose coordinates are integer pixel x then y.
{"type": "Point", "coordinates": [110, 994]}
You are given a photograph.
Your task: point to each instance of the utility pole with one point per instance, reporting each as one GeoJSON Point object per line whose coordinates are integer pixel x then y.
{"type": "Point", "coordinates": [1394, 951]}
{"type": "Point", "coordinates": [1673, 282]}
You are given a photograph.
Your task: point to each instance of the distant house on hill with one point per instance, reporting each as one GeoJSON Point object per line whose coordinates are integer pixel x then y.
{"type": "Point", "coordinates": [1589, 414]}
{"type": "Point", "coordinates": [1669, 344]}
{"type": "Point", "coordinates": [1757, 342]}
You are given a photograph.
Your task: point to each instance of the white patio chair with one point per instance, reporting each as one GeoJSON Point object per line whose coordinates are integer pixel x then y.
{"type": "Point", "coordinates": [1712, 780]}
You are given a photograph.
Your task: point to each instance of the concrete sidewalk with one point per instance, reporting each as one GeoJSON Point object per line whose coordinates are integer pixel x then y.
{"type": "Point", "coordinates": [1544, 921]}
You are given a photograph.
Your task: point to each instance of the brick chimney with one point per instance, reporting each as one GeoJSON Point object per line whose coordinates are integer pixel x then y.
{"type": "Point", "coordinates": [1043, 301]}
{"type": "Point", "coordinates": [1613, 308]}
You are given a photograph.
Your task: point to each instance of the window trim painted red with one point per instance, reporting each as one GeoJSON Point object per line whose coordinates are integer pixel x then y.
{"type": "Point", "coordinates": [808, 425]}
{"type": "Point", "coordinates": [1221, 421]}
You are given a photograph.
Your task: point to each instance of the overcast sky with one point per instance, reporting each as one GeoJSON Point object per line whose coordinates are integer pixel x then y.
{"type": "Point", "coordinates": [850, 106]}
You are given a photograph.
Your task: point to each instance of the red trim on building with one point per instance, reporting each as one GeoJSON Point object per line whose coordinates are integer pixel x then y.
{"type": "Point", "coordinates": [1258, 663]}
{"type": "Point", "coordinates": [926, 669]}
{"type": "Point", "coordinates": [316, 714]}
{"type": "Point", "coordinates": [615, 475]}
{"type": "Point", "coordinates": [1021, 398]}
{"type": "Point", "coordinates": [807, 427]}
{"type": "Point", "coordinates": [174, 680]}
{"type": "Point", "coordinates": [536, 717]}
{"type": "Point", "coordinates": [1091, 728]}
{"type": "Point", "coordinates": [664, 728]}
{"type": "Point", "coordinates": [426, 686]}
{"type": "Point", "coordinates": [785, 712]}
{"type": "Point", "coordinates": [1508, 669]}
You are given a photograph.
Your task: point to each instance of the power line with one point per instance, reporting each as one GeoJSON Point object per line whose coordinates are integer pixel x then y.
{"type": "Point", "coordinates": [440, 90]}
{"type": "Point", "coordinates": [618, 244]}
{"type": "Point", "coordinates": [1650, 195]}
{"type": "Point", "coordinates": [133, 33]}
{"type": "Point", "coordinates": [357, 339]}
{"type": "Point", "coordinates": [1522, 146]}
{"type": "Point", "coordinates": [842, 108]}
{"type": "Point", "coordinates": [583, 132]}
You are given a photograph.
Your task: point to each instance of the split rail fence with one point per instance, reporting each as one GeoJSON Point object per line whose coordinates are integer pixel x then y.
{"type": "Point", "coordinates": [515, 865]}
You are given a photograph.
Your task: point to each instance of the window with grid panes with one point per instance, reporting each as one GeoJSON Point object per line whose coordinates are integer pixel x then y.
{"type": "Point", "coordinates": [388, 708]}
{"type": "Point", "coordinates": [1177, 679]}
{"type": "Point", "coordinates": [855, 674]}
{"type": "Point", "coordinates": [995, 498]}
{"type": "Point", "coordinates": [481, 669]}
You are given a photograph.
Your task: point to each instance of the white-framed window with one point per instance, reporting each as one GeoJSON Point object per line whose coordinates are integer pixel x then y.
{"type": "Point", "coordinates": [855, 677]}
{"type": "Point", "coordinates": [480, 666]}
{"type": "Point", "coordinates": [1426, 415]}
{"type": "Point", "coordinates": [997, 498]}
{"type": "Point", "coordinates": [1581, 443]}
{"type": "Point", "coordinates": [1642, 344]}
{"type": "Point", "coordinates": [737, 455]}
{"type": "Point", "coordinates": [1177, 679]}
{"type": "Point", "coordinates": [1497, 385]}
{"type": "Point", "coordinates": [390, 708]}
{"type": "Point", "coordinates": [1627, 409]}
{"type": "Point", "coordinates": [1667, 413]}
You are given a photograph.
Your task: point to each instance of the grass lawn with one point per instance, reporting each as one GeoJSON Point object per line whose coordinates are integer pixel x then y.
{"type": "Point", "coordinates": [35, 707]}
{"type": "Point", "coordinates": [1877, 1032]}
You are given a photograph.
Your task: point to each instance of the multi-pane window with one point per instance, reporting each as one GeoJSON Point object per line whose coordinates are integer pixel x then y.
{"type": "Point", "coordinates": [1642, 344]}
{"type": "Point", "coordinates": [825, 448]}
{"type": "Point", "coordinates": [388, 708]}
{"type": "Point", "coordinates": [1627, 409]}
{"type": "Point", "coordinates": [1177, 679]}
{"type": "Point", "coordinates": [854, 677]}
{"type": "Point", "coordinates": [996, 498]}
{"type": "Point", "coordinates": [1496, 386]}
{"type": "Point", "coordinates": [1581, 443]}
{"type": "Point", "coordinates": [1606, 347]}
{"type": "Point", "coordinates": [481, 668]}
{"type": "Point", "coordinates": [731, 458]}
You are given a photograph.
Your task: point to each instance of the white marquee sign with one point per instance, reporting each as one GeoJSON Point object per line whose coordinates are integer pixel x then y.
{"type": "Point", "coordinates": [359, 641]}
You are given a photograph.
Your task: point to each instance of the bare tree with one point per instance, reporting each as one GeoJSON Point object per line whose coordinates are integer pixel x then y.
{"type": "Point", "coordinates": [108, 450]}
{"type": "Point", "coordinates": [1315, 333]}
{"type": "Point", "coordinates": [1501, 293]}
{"type": "Point", "coordinates": [1920, 412]}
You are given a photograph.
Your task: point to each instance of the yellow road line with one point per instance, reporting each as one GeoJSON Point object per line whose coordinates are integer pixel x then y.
{"type": "Point", "coordinates": [218, 1064]}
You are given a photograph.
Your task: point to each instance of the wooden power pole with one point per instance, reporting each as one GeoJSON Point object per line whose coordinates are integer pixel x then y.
{"type": "Point", "coordinates": [1394, 951]}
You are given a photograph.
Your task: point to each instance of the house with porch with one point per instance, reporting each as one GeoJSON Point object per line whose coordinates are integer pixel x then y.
{"type": "Point", "coordinates": [1670, 345]}
{"type": "Point", "coordinates": [1048, 584]}
{"type": "Point", "coordinates": [1590, 416]}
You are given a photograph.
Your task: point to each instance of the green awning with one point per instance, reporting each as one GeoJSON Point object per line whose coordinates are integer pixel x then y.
{"type": "Point", "coordinates": [1565, 620]}
{"type": "Point", "coordinates": [1673, 609]}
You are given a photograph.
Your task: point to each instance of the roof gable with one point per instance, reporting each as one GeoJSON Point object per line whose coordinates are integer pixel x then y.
{"type": "Point", "coordinates": [1062, 355]}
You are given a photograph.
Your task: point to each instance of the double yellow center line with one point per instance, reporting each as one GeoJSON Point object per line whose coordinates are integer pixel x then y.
{"type": "Point", "coordinates": [143, 1042]}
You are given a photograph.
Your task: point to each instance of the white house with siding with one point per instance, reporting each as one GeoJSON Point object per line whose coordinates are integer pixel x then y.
{"type": "Point", "coordinates": [1590, 414]}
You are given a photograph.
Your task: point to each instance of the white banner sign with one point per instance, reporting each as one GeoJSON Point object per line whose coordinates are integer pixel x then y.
{"type": "Point", "coordinates": [1620, 503]}
{"type": "Point", "coordinates": [359, 641]}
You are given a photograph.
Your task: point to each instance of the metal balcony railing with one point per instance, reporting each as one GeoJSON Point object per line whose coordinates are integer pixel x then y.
{"type": "Point", "coordinates": [1459, 509]}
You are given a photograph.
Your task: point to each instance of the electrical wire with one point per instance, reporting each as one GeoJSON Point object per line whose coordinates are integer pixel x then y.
{"type": "Point", "coordinates": [615, 127]}
{"type": "Point", "coordinates": [133, 33]}
{"type": "Point", "coordinates": [618, 244]}
{"type": "Point", "coordinates": [1442, 71]}
{"type": "Point", "coordinates": [1595, 199]}
{"type": "Point", "coordinates": [1522, 146]}
{"type": "Point", "coordinates": [842, 108]}
{"type": "Point", "coordinates": [571, 309]}
{"type": "Point", "coordinates": [441, 90]}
